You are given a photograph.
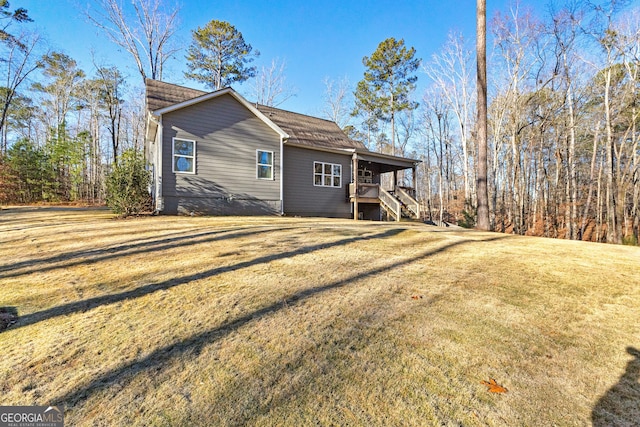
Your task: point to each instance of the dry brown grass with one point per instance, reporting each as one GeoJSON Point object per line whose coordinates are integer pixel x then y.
{"type": "Point", "coordinates": [286, 321]}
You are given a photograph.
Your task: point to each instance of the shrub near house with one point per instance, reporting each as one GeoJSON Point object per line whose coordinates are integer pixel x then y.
{"type": "Point", "coordinates": [128, 185]}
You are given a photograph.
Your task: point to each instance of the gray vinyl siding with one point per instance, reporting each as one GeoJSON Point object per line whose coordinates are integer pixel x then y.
{"type": "Point", "coordinates": [301, 197]}
{"type": "Point", "coordinates": [225, 182]}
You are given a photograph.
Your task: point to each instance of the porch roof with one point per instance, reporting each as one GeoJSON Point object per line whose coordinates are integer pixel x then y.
{"type": "Point", "coordinates": [387, 162]}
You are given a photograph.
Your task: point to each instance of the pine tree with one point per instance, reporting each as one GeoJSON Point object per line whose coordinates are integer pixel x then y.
{"type": "Point", "coordinates": [218, 56]}
{"type": "Point", "coordinates": [7, 17]}
{"type": "Point", "coordinates": [388, 81]}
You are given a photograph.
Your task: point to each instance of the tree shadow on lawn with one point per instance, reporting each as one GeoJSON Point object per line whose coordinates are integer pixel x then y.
{"type": "Point", "coordinates": [88, 304]}
{"type": "Point", "coordinates": [620, 405]}
{"type": "Point", "coordinates": [109, 230]}
{"type": "Point", "coordinates": [289, 386]}
{"type": "Point", "coordinates": [194, 345]}
{"type": "Point", "coordinates": [40, 222]}
{"type": "Point", "coordinates": [313, 372]}
{"type": "Point", "coordinates": [95, 255]}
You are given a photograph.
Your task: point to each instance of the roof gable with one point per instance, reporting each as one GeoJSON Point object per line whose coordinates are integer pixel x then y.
{"type": "Point", "coordinates": [295, 128]}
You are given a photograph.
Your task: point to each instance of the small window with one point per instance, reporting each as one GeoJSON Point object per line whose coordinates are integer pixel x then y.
{"type": "Point", "coordinates": [264, 163]}
{"type": "Point", "coordinates": [184, 156]}
{"type": "Point", "coordinates": [327, 174]}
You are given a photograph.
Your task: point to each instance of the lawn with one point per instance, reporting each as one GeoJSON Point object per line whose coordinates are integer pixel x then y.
{"type": "Point", "coordinates": [205, 321]}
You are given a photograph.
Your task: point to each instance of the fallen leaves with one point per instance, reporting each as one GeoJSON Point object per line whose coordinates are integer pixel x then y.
{"type": "Point", "coordinates": [493, 386]}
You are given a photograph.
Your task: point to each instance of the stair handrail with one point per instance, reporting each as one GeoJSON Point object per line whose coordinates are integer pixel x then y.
{"type": "Point", "coordinates": [411, 203]}
{"type": "Point", "coordinates": [391, 202]}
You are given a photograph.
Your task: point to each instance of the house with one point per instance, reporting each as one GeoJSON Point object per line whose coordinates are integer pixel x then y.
{"type": "Point", "coordinates": [217, 153]}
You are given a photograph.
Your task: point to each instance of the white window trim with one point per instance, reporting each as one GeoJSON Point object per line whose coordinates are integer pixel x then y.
{"type": "Point", "coordinates": [324, 175]}
{"type": "Point", "coordinates": [173, 155]}
{"type": "Point", "coordinates": [258, 164]}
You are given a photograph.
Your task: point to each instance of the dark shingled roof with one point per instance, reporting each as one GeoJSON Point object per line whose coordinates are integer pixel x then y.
{"type": "Point", "coordinates": [308, 130]}
{"type": "Point", "coordinates": [302, 129]}
{"type": "Point", "coordinates": [161, 94]}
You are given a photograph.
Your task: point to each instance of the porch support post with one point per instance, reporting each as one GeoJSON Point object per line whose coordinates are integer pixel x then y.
{"type": "Point", "coordinates": [414, 173]}
{"type": "Point", "coordinates": [354, 160]}
{"type": "Point", "coordinates": [414, 169]}
{"type": "Point", "coordinates": [395, 180]}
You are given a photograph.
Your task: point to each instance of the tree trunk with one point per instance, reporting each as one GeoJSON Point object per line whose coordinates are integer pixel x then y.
{"type": "Point", "coordinates": [612, 220]}
{"type": "Point", "coordinates": [585, 212]}
{"type": "Point", "coordinates": [481, 49]}
{"type": "Point", "coordinates": [572, 192]}
{"type": "Point", "coordinates": [600, 202]}
{"type": "Point", "coordinates": [393, 125]}
{"type": "Point", "coordinates": [515, 191]}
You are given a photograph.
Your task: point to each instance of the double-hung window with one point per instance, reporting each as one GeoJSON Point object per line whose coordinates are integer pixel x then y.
{"type": "Point", "coordinates": [184, 156]}
{"type": "Point", "coordinates": [264, 164]}
{"type": "Point", "coordinates": [327, 174]}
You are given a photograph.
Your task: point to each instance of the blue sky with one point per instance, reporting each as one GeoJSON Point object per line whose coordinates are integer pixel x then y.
{"type": "Point", "coordinates": [317, 39]}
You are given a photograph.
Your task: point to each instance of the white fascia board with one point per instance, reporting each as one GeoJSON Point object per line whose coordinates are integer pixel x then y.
{"type": "Point", "coordinates": [281, 175]}
{"type": "Point", "coordinates": [372, 154]}
{"type": "Point", "coordinates": [158, 166]}
{"type": "Point", "coordinates": [225, 91]}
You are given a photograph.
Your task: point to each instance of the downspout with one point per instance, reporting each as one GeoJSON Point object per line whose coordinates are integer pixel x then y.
{"type": "Point", "coordinates": [281, 175]}
{"type": "Point", "coordinates": [414, 173]}
{"type": "Point", "coordinates": [159, 195]}
{"type": "Point", "coordinates": [354, 162]}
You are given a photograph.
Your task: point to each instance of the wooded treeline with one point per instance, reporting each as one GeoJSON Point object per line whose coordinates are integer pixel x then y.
{"type": "Point", "coordinates": [563, 154]}
{"type": "Point", "coordinates": [62, 129]}
{"type": "Point", "coordinates": [67, 133]}
{"type": "Point", "coordinates": [563, 100]}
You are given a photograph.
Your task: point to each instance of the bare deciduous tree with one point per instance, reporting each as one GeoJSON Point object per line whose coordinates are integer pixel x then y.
{"type": "Point", "coordinates": [111, 84]}
{"type": "Point", "coordinates": [436, 130]}
{"type": "Point", "coordinates": [147, 37]}
{"type": "Point", "coordinates": [450, 72]}
{"type": "Point", "coordinates": [517, 37]}
{"type": "Point", "coordinates": [270, 85]}
{"type": "Point", "coordinates": [337, 101]}
{"type": "Point", "coordinates": [20, 61]}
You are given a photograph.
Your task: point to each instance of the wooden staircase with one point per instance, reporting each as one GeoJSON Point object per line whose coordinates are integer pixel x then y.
{"type": "Point", "coordinates": [399, 204]}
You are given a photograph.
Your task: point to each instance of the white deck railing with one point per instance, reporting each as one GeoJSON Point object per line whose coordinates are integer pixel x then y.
{"type": "Point", "coordinates": [392, 204]}
{"type": "Point", "coordinates": [367, 191]}
{"type": "Point", "coordinates": [411, 203]}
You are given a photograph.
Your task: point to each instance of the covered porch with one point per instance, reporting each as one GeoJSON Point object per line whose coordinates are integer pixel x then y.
{"type": "Point", "coordinates": [378, 187]}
